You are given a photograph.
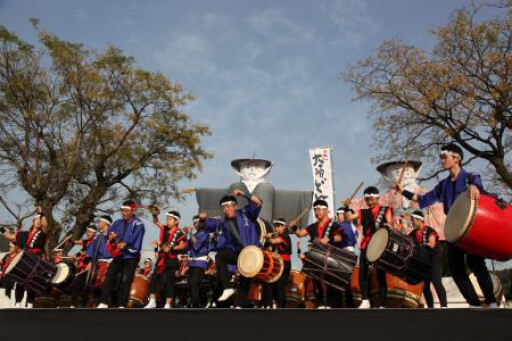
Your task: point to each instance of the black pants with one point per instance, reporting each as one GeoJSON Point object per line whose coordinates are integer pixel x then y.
{"type": "Point", "coordinates": [435, 277]}
{"type": "Point", "coordinates": [457, 262]}
{"type": "Point", "coordinates": [164, 281]}
{"type": "Point", "coordinates": [195, 277]}
{"type": "Point", "coordinates": [278, 287]}
{"type": "Point", "coordinates": [125, 267]}
{"type": "Point", "coordinates": [222, 259]}
{"type": "Point", "coordinates": [80, 290]}
{"type": "Point", "coordinates": [19, 291]}
{"type": "Point", "coordinates": [364, 280]}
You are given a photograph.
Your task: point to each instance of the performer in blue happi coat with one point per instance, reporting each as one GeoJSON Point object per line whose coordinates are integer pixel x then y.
{"type": "Point", "coordinates": [346, 217]}
{"type": "Point", "coordinates": [234, 232]}
{"type": "Point", "coordinates": [198, 247]}
{"type": "Point", "coordinates": [124, 244]}
{"type": "Point", "coordinates": [94, 251]}
{"type": "Point", "coordinates": [447, 191]}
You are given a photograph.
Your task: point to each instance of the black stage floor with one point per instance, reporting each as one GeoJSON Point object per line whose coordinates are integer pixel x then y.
{"type": "Point", "coordinates": [255, 324]}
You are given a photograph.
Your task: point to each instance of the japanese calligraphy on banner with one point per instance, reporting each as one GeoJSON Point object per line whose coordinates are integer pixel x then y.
{"type": "Point", "coordinates": [322, 176]}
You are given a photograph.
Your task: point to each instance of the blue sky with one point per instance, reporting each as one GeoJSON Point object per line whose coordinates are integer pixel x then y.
{"type": "Point", "coordinates": [265, 73]}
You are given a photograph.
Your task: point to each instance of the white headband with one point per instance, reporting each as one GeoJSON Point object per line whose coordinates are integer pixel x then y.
{"type": "Point", "coordinates": [36, 216]}
{"type": "Point", "coordinates": [126, 207]}
{"type": "Point", "coordinates": [172, 216]}
{"type": "Point", "coordinates": [105, 220]}
{"type": "Point", "coordinates": [449, 153]}
{"type": "Point", "coordinates": [91, 229]}
{"type": "Point", "coordinates": [371, 195]}
{"type": "Point", "coordinates": [320, 206]}
{"type": "Point", "coordinates": [417, 216]}
{"type": "Point", "coordinates": [282, 222]}
{"type": "Point", "coordinates": [225, 203]}
{"type": "Point", "coordinates": [340, 211]}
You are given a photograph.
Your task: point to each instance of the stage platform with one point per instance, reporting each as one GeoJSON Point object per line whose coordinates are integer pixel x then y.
{"type": "Point", "coordinates": [256, 324]}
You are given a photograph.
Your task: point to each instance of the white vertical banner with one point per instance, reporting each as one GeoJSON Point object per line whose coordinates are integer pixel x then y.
{"type": "Point", "coordinates": [321, 162]}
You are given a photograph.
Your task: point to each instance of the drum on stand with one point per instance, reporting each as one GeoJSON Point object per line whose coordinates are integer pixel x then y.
{"type": "Point", "coordinates": [260, 264]}
{"type": "Point", "coordinates": [255, 293]}
{"type": "Point", "coordinates": [400, 293]}
{"type": "Point", "coordinates": [62, 285]}
{"type": "Point", "coordinates": [299, 291]}
{"type": "Point", "coordinates": [355, 287]}
{"type": "Point", "coordinates": [330, 265]}
{"type": "Point", "coordinates": [481, 227]}
{"type": "Point", "coordinates": [397, 255]}
{"type": "Point", "coordinates": [139, 292]}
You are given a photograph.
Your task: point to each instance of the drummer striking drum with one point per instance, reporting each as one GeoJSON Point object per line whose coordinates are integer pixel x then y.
{"type": "Point", "coordinates": [446, 192]}
{"type": "Point", "coordinates": [234, 232]}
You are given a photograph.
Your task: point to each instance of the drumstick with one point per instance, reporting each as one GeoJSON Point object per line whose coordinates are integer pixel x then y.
{"type": "Point", "coordinates": [62, 242]}
{"type": "Point", "coordinates": [402, 173]}
{"type": "Point", "coordinates": [301, 215]}
{"type": "Point", "coordinates": [349, 200]}
{"type": "Point", "coordinates": [189, 191]}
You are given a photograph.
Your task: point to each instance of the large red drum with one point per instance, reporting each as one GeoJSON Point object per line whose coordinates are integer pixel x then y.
{"type": "Point", "coordinates": [481, 227]}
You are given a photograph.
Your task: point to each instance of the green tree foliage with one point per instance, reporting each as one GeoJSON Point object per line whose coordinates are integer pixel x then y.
{"type": "Point", "coordinates": [81, 129]}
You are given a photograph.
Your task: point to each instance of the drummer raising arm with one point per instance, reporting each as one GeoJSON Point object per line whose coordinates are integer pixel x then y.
{"type": "Point", "coordinates": [447, 192]}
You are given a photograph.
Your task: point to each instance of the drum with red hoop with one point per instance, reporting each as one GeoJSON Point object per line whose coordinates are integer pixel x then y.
{"type": "Point", "coordinates": [481, 227]}
{"type": "Point", "coordinates": [261, 264]}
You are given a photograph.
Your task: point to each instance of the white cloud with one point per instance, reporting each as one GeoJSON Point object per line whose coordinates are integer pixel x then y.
{"type": "Point", "coordinates": [353, 21]}
{"type": "Point", "coordinates": [274, 24]}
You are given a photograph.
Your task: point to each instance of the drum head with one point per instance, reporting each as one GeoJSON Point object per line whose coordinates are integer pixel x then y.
{"type": "Point", "coordinates": [250, 261]}
{"type": "Point", "coordinates": [460, 218]}
{"type": "Point", "coordinates": [14, 262]}
{"type": "Point", "coordinates": [63, 272]}
{"type": "Point", "coordinates": [377, 245]}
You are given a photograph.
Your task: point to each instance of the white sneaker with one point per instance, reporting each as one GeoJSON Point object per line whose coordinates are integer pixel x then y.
{"type": "Point", "coordinates": [493, 305]}
{"type": "Point", "coordinates": [208, 305]}
{"type": "Point", "coordinates": [30, 305]}
{"type": "Point", "coordinates": [321, 307]}
{"type": "Point", "coordinates": [475, 307]}
{"type": "Point", "coordinates": [365, 304]}
{"type": "Point", "coordinates": [72, 307]}
{"type": "Point", "coordinates": [227, 293]}
{"type": "Point", "coordinates": [121, 307]}
{"type": "Point", "coordinates": [151, 304]}
{"type": "Point", "coordinates": [382, 307]}
{"type": "Point", "coordinates": [17, 305]}
{"type": "Point", "coordinates": [167, 306]}
{"type": "Point", "coordinates": [102, 306]}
